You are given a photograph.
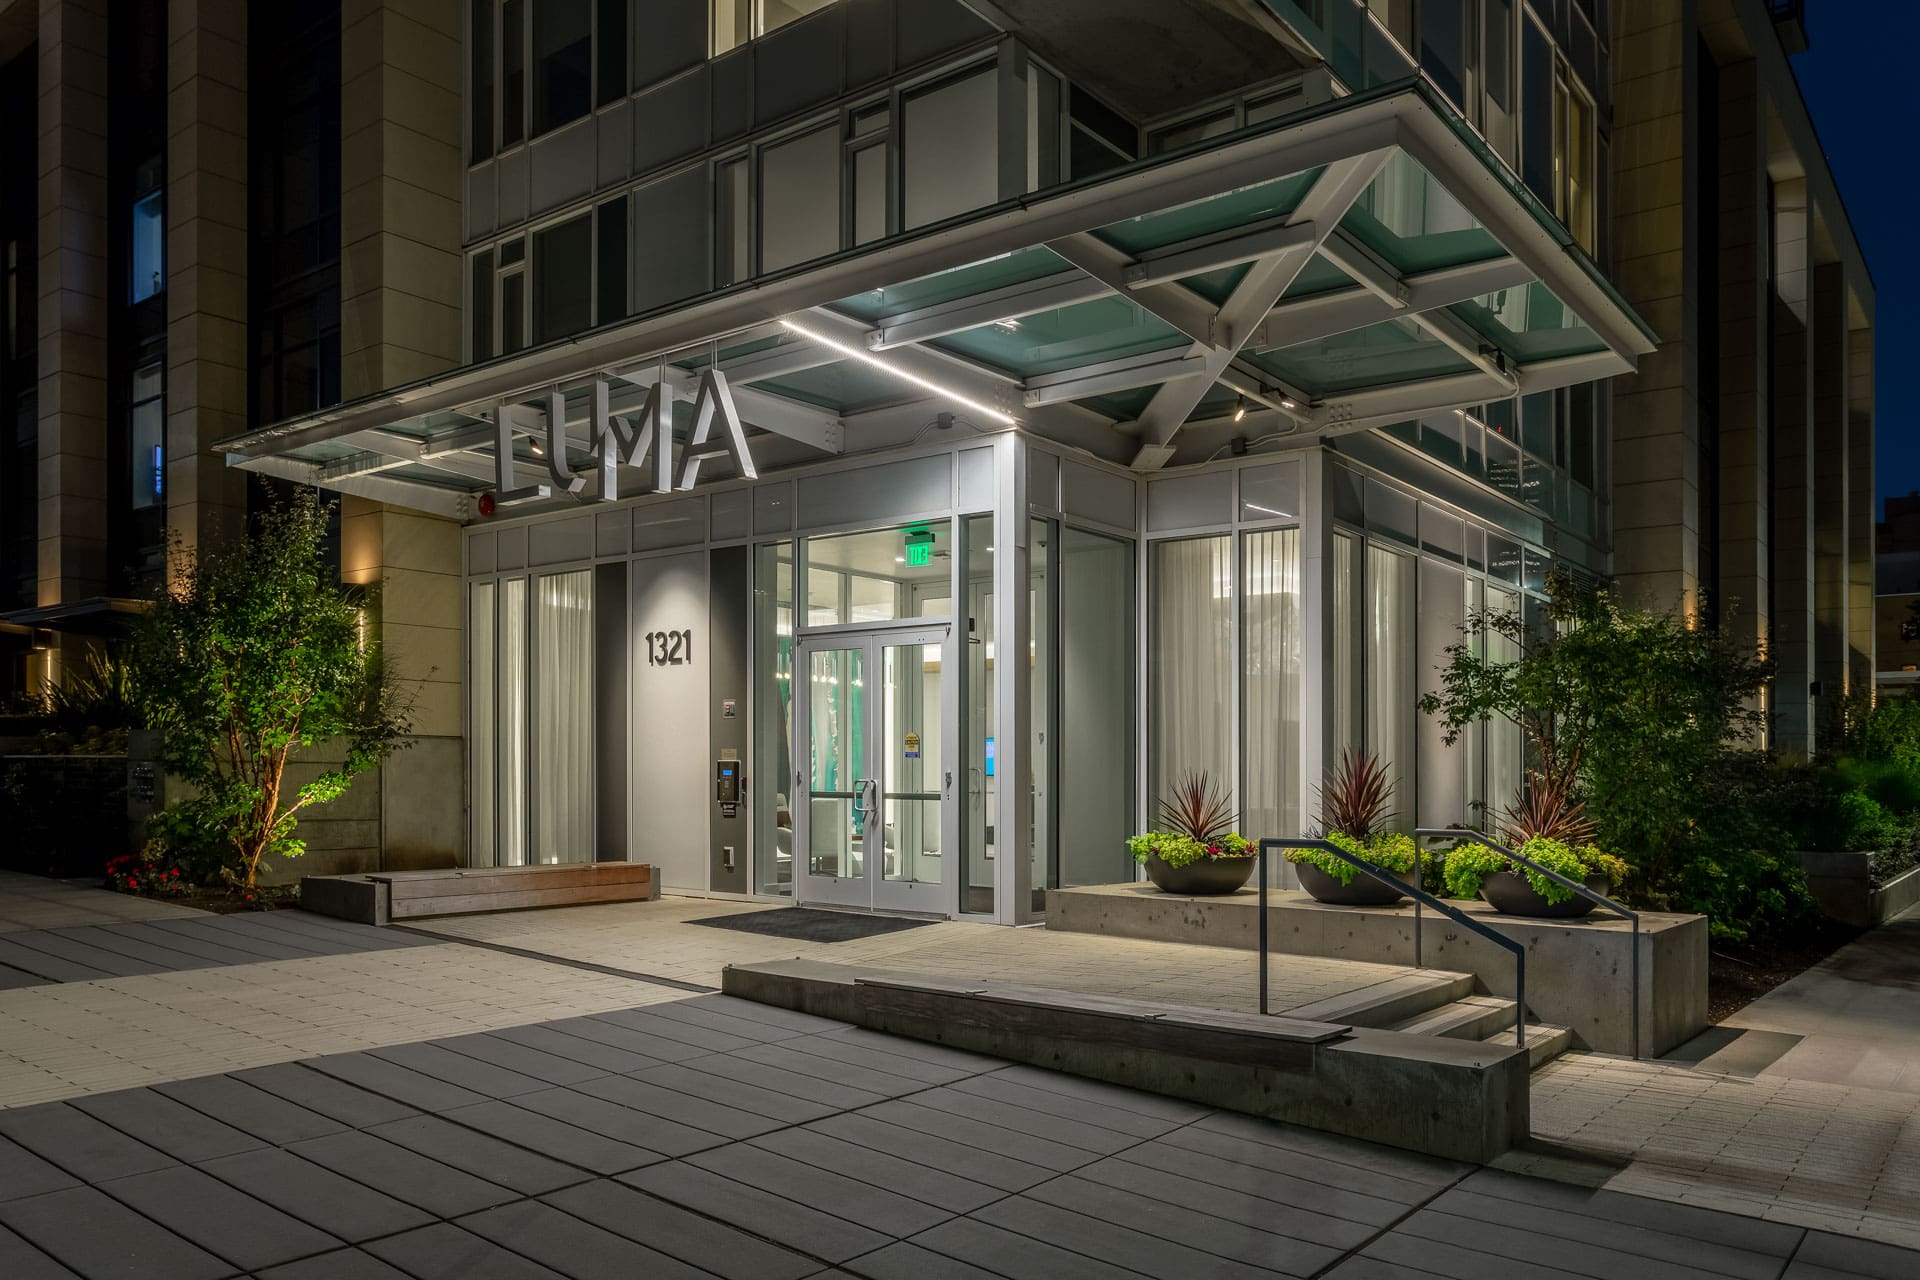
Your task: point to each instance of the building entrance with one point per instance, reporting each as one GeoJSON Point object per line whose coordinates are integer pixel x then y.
{"type": "Point", "coordinates": [874, 821]}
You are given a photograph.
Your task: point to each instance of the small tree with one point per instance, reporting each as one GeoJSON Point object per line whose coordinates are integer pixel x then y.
{"type": "Point", "coordinates": [254, 654]}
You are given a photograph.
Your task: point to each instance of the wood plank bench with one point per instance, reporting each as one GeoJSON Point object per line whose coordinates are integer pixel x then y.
{"type": "Point", "coordinates": [382, 897]}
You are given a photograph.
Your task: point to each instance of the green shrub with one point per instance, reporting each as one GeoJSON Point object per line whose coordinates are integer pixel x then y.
{"type": "Point", "coordinates": [1889, 732]}
{"type": "Point", "coordinates": [1389, 850]}
{"type": "Point", "coordinates": [1183, 850]}
{"type": "Point", "coordinates": [1470, 862]}
{"type": "Point", "coordinates": [188, 835]}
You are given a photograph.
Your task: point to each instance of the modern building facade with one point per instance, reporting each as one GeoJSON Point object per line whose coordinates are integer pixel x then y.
{"type": "Point", "coordinates": [1897, 598]}
{"type": "Point", "coordinates": [869, 451]}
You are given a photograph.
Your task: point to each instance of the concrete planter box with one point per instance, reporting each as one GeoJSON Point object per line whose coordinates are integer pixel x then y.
{"type": "Point", "coordinates": [1843, 886]}
{"type": "Point", "coordinates": [1578, 971]}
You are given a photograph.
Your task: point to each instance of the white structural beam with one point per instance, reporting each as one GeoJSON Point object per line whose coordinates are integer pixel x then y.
{"type": "Point", "coordinates": [1006, 305]}
{"type": "Point", "coordinates": [1124, 374]}
{"type": "Point", "coordinates": [449, 503]}
{"type": "Point", "coordinates": [1162, 266]}
{"type": "Point", "coordinates": [776, 362]}
{"type": "Point", "coordinates": [1344, 310]}
{"type": "Point", "coordinates": [1175, 304]}
{"type": "Point", "coordinates": [1340, 184]}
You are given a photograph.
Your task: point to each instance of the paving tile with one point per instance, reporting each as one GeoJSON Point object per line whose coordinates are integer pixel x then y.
{"type": "Point", "coordinates": [117, 938]}
{"type": "Point", "coordinates": [837, 1049]}
{"type": "Point", "coordinates": [538, 1064]}
{"type": "Point", "coordinates": [716, 1246]}
{"type": "Point", "coordinates": [215, 934]}
{"type": "Point", "coordinates": [97, 1236]}
{"type": "Point", "coordinates": [1858, 1257]}
{"type": "Point", "coordinates": [619, 1123]}
{"type": "Point", "coordinates": [170, 1126]}
{"type": "Point", "coordinates": [23, 1173]}
{"type": "Point", "coordinates": [20, 1260]}
{"type": "Point", "coordinates": [1407, 1165]}
{"type": "Point", "coordinates": [1064, 1106]}
{"type": "Point", "coordinates": [788, 1057]}
{"type": "Point", "coordinates": [990, 1168]}
{"type": "Point", "coordinates": [462, 1148]}
{"type": "Point", "coordinates": [592, 1053]}
{"type": "Point", "coordinates": [341, 1264]}
{"type": "Point", "coordinates": [405, 1175]}
{"type": "Point", "coordinates": [12, 979]}
{"type": "Point", "coordinates": [700, 1013]}
{"type": "Point", "coordinates": [571, 1144]}
{"type": "Point", "coordinates": [445, 1252]}
{"type": "Point", "coordinates": [572, 1246]}
{"type": "Point", "coordinates": [1637, 1238]}
{"type": "Point", "coordinates": [1096, 1139]}
{"type": "Point", "coordinates": [1268, 1243]}
{"type": "Point", "coordinates": [1109, 1242]}
{"type": "Point", "coordinates": [642, 1094]}
{"type": "Point", "coordinates": [1220, 1151]}
{"type": "Point", "coordinates": [796, 1225]}
{"type": "Point", "coordinates": [213, 952]}
{"type": "Point", "coordinates": [1433, 1257]}
{"type": "Point", "coordinates": [1158, 1106]}
{"type": "Point", "coordinates": [89, 1149]}
{"type": "Point", "coordinates": [925, 1181]}
{"type": "Point", "coordinates": [317, 1091]}
{"type": "Point", "coordinates": [877, 1207]}
{"type": "Point", "coordinates": [792, 1020]}
{"type": "Point", "coordinates": [219, 1218]}
{"type": "Point", "coordinates": [316, 1195]}
{"type": "Point", "coordinates": [903, 1261]}
{"type": "Point", "coordinates": [938, 1054]}
{"type": "Point", "coordinates": [1775, 1240]}
{"type": "Point", "coordinates": [1296, 1183]}
{"type": "Point", "coordinates": [655, 1048]}
{"type": "Point", "coordinates": [686, 1031]}
{"type": "Point", "coordinates": [43, 965]}
{"type": "Point", "coordinates": [784, 1080]}
{"type": "Point", "coordinates": [1304, 1216]}
{"type": "Point", "coordinates": [701, 1081]}
{"type": "Point", "coordinates": [1000, 1252]}
{"type": "Point", "coordinates": [266, 1116]}
{"type": "Point", "coordinates": [396, 1082]}
{"type": "Point", "coordinates": [462, 1070]}
{"type": "Point", "coordinates": [967, 1131]}
{"type": "Point", "coordinates": [1365, 1268]}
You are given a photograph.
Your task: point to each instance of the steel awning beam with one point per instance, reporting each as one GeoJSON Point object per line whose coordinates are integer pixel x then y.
{"type": "Point", "coordinates": [449, 503]}
{"type": "Point", "coordinates": [1161, 267]}
{"type": "Point", "coordinates": [1012, 303]}
{"type": "Point", "coordinates": [1344, 310]}
{"type": "Point", "coordinates": [1175, 304]}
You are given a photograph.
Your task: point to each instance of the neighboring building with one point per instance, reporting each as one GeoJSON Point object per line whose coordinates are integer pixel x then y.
{"type": "Point", "coordinates": [214, 215]}
{"type": "Point", "coordinates": [1218, 356]}
{"type": "Point", "coordinates": [1897, 597]}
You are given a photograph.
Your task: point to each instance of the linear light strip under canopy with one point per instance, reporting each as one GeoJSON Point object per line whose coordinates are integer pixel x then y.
{"type": "Point", "coordinates": [925, 384]}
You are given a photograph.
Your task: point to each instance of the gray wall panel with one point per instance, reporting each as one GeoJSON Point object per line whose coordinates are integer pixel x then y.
{"type": "Point", "coordinates": [798, 66]}
{"type": "Point", "coordinates": [557, 541]}
{"type": "Point", "coordinates": [672, 774]}
{"type": "Point", "coordinates": [670, 122]}
{"type": "Point", "coordinates": [927, 28]}
{"type": "Point", "coordinates": [729, 614]}
{"type": "Point", "coordinates": [481, 204]}
{"type": "Point", "coordinates": [869, 41]}
{"type": "Point", "coordinates": [615, 143]}
{"type": "Point", "coordinates": [732, 86]}
{"type": "Point", "coordinates": [511, 174]}
{"type": "Point", "coordinates": [671, 219]}
{"type": "Point", "coordinates": [610, 711]}
{"type": "Point", "coordinates": [564, 163]}
{"type": "Point", "coordinates": [672, 38]}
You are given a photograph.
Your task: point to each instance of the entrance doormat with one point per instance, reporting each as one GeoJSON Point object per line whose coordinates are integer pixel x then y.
{"type": "Point", "coordinates": [808, 925]}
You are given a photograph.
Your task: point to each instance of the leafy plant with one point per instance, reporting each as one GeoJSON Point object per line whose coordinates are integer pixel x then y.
{"type": "Point", "coordinates": [1541, 809]}
{"type": "Point", "coordinates": [1197, 809]}
{"type": "Point", "coordinates": [1389, 850]}
{"type": "Point", "coordinates": [254, 654]}
{"type": "Point", "coordinates": [1178, 850]}
{"type": "Point", "coordinates": [150, 871]}
{"type": "Point", "coordinates": [1470, 862]}
{"type": "Point", "coordinates": [1355, 795]}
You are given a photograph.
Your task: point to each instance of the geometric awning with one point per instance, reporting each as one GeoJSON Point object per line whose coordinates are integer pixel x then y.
{"type": "Point", "coordinates": [1354, 266]}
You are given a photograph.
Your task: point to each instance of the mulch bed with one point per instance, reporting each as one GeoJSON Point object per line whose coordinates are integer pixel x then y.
{"type": "Point", "coordinates": [1739, 974]}
{"type": "Point", "coordinates": [222, 903]}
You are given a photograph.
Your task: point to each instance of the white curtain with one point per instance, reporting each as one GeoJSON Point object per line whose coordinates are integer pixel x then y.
{"type": "Point", "coordinates": [1191, 651]}
{"type": "Point", "coordinates": [481, 673]}
{"type": "Point", "coordinates": [1390, 674]}
{"type": "Point", "coordinates": [512, 846]}
{"type": "Point", "coordinates": [1271, 665]}
{"type": "Point", "coordinates": [1505, 745]}
{"type": "Point", "coordinates": [563, 718]}
{"type": "Point", "coordinates": [1343, 660]}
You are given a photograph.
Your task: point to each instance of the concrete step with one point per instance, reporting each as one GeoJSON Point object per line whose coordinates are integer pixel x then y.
{"type": "Point", "coordinates": [1468, 1018]}
{"type": "Point", "coordinates": [1395, 1000]}
{"type": "Point", "coordinates": [1544, 1042]}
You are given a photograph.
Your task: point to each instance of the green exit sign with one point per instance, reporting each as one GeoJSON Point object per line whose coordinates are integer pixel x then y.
{"type": "Point", "coordinates": [919, 546]}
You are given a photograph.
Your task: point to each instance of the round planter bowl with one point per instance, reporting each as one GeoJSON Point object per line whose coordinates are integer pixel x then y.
{"type": "Point", "coordinates": [1509, 893]}
{"type": "Point", "coordinates": [1208, 876]}
{"type": "Point", "coordinates": [1365, 891]}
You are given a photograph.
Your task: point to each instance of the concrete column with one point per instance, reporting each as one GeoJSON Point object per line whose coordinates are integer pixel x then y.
{"type": "Point", "coordinates": [1744, 407]}
{"type": "Point", "coordinates": [1656, 450]}
{"type": "Point", "coordinates": [1830, 491]}
{"type": "Point", "coordinates": [1862, 657]}
{"type": "Point", "coordinates": [1793, 449]}
{"type": "Point", "coordinates": [400, 197]}
{"type": "Point", "coordinates": [73, 554]}
{"type": "Point", "coordinates": [208, 369]}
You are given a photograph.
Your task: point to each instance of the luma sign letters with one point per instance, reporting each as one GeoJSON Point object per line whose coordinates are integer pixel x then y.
{"type": "Point", "coordinates": [640, 439]}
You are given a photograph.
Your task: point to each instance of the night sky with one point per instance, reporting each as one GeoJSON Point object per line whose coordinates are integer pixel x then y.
{"type": "Point", "coordinates": [1857, 77]}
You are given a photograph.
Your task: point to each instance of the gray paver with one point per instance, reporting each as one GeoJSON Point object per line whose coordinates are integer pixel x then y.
{"type": "Point", "coordinates": [788, 1058]}
{"type": "Point", "coordinates": [317, 1091]}
{"type": "Point", "coordinates": [568, 1143]}
{"type": "Point", "coordinates": [702, 1081]}
{"type": "Point", "coordinates": [11, 979]}
{"type": "Point", "coordinates": [20, 1260]}
{"type": "Point", "coordinates": [547, 1067]}
{"type": "Point", "coordinates": [967, 1131]}
{"type": "Point", "coordinates": [642, 1094]}
{"type": "Point", "coordinates": [686, 1031]}
{"type": "Point", "coordinates": [1263, 1245]}
{"type": "Point", "coordinates": [925, 1182]}
{"type": "Point", "coordinates": [772, 1082]}
{"type": "Point", "coordinates": [1295, 1215]}
{"type": "Point", "coordinates": [51, 967]}
{"type": "Point", "coordinates": [266, 1116]}
{"type": "Point", "coordinates": [903, 1261]}
{"type": "Point", "coordinates": [102, 1239]}
{"type": "Point", "coordinates": [392, 1080]}
{"type": "Point", "coordinates": [799, 1226]}
{"type": "Point", "coordinates": [23, 1173]}
{"type": "Point", "coordinates": [1857, 1257]}
{"type": "Point", "coordinates": [1007, 1253]}
{"type": "Point", "coordinates": [341, 1264]}
{"type": "Point", "coordinates": [316, 1195]}
{"type": "Point", "coordinates": [1302, 1189]}
{"type": "Point", "coordinates": [220, 1219]}
{"type": "Point", "coordinates": [1065, 1106]}
{"type": "Point", "coordinates": [573, 1246]}
{"type": "Point", "coordinates": [405, 1175]}
{"type": "Point", "coordinates": [592, 1053]}
{"type": "Point", "coordinates": [462, 1148]}
{"type": "Point", "coordinates": [773, 1015]}
{"type": "Point", "coordinates": [1093, 1138]}
{"type": "Point", "coordinates": [85, 1147]}
{"type": "Point", "coordinates": [170, 1126]}
{"type": "Point", "coordinates": [1774, 1239]}
{"type": "Point", "coordinates": [718, 1247]}
{"type": "Point", "coordinates": [1433, 1257]}
{"type": "Point", "coordinates": [462, 1070]}
{"type": "Point", "coordinates": [620, 1123]}
{"type": "Point", "coordinates": [1110, 1242]}
{"type": "Point", "coordinates": [1600, 1234]}
{"type": "Point", "coordinates": [445, 1252]}
{"type": "Point", "coordinates": [654, 1048]}
{"type": "Point", "coordinates": [876, 1207]}
{"type": "Point", "coordinates": [1004, 1173]}
{"type": "Point", "coordinates": [838, 1049]}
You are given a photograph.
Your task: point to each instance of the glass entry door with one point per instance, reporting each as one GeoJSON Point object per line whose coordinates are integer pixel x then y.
{"type": "Point", "coordinates": [873, 824]}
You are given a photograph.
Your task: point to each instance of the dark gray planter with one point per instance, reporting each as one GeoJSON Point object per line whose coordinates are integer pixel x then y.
{"type": "Point", "coordinates": [1365, 891]}
{"type": "Point", "coordinates": [1509, 893]}
{"type": "Point", "coordinates": [1202, 878]}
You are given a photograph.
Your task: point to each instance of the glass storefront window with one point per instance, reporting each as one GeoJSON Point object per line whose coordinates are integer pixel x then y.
{"type": "Point", "coordinates": [1271, 663]}
{"type": "Point", "coordinates": [1389, 672]}
{"type": "Point", "coordinates": [878, 576]}
{"type": "Point", "coordinates": [1189, 664]}
{"type": "Point", "coordinates": [978, 708]}
{"type": "Point", "coordinates": [1042, 675]}
{"type": "Point", "coordinates": [773, 718]}
{"type": "Point", "coordinates": [563, 726]}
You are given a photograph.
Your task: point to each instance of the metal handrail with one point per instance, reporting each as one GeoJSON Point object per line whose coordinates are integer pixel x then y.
{"type": "Point", "coordinates": [1419, 896]}
{"type": "Point", "coordinates": [1565, 882]}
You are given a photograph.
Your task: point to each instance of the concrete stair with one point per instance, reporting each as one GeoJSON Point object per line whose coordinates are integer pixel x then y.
{"type": "Point", "coordinates": [1439, 1007]}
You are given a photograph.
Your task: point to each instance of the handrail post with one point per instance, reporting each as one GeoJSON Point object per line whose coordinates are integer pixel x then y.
{"type": "Point", "coordinates": [1262, 908]}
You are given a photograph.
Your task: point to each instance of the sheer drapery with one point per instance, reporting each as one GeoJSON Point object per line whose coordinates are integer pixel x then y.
{"type": "Point", "coordinates": [1191, 650]}
{"type": "Point", "coordinates": [481, 675]}
{"type": "Point", "coordinates": [1271, 673]}
{"type": "Point", "coordinates": [512, 844]}
{"type": "Point", "coordinates": [563, 717]}
{"type": "Point", "coordinates": [1343, 693]}
{"type": "Point", "coordinates": [1389, 672]}
{"type": "Point", "coordinates": [1505, 745]}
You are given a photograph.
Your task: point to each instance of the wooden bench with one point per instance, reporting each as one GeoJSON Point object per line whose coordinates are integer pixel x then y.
{"type": "Point", "coordinates": [381, 897]}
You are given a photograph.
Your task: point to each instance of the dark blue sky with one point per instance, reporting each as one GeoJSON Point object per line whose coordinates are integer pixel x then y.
{"type": "Point", "coordinates": [1858, 79]}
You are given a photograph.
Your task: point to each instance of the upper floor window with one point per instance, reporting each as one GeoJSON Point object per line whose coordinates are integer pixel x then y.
{"type": "Point", "coordinates": [737, 21]}
{"type": "Point", "coordinates": [562, 62]}
{"type": "Point", "coordinates": [147, 261]}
